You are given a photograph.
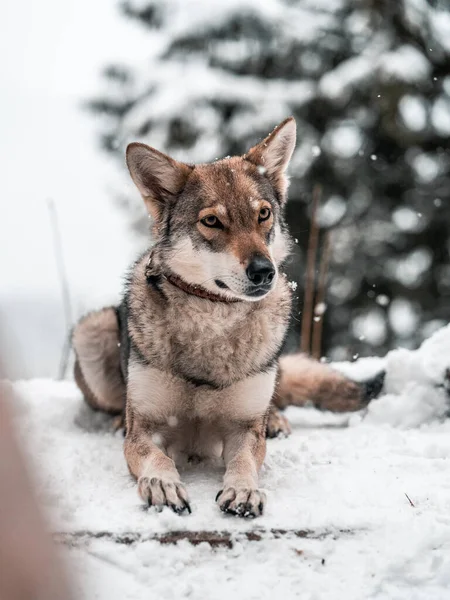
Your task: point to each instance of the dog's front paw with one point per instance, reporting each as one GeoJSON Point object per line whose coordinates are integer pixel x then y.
{"type": "Point", "coordinates": [242, 502]}
{"type": "Point", "coordinates": [277, 425]}
{"type": "Point", "coordinates": [159, 492]}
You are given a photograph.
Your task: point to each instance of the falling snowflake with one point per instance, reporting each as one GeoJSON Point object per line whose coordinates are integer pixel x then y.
{"type": "Point", "coordinates": [157, 439]}
{"type": "Point", "coordinates": [172, 421]}
{"type": "Point", "coordinates": [382, 300]}
{"type": "Point", "coordinates": [320, 308]}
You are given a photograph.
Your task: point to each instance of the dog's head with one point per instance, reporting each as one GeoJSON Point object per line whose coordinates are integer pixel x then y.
{"type": "Point", "coordinates": [220, 225]}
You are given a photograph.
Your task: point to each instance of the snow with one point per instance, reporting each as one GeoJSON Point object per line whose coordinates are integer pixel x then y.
{"type": "Point", "coordinates": [426, 167]}
{"type": "Point", "coordinates": [446, 85]}
{"type": "Point", "coordinates": [404, 319]}
{"type": "Point", "coordinates": [405, 63]}
{"type": "Point", "coordinates": [338, 83]}
{"type": "Point", "coordinates": [331, 211]}
{"type": "Point", "coordinates": [413, 112]}
{"type": "Point", "coordinates": [440, 28]}
{"type": "Point", "coordinates": [440, 116]}
{"type": "Point", "coordinates": [382, 300]}
{"type": "Point", "coordinates": [406, 219]}
{"type": "Point", "coordinates": [371, 325]}
{"type": "Point", "coordinates": [412, 267]}
{"type": "Point", "coordinates": [344, 140]}
{"type": "Point", "coordinates": [197, 16]}
{"type": "Point", "coordinates": [272, 98]}
{"type": "Point", "coordinates": [345, 478]}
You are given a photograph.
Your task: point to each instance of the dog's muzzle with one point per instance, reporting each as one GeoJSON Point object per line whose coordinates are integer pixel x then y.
{"type": "Point", "coordinates": [261, 274]}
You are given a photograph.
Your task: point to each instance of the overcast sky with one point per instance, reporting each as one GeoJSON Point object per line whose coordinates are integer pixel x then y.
{"type": "Point", "coordinates": [52, 52]}
{"type": "Point", "coordinates": [51, 55]}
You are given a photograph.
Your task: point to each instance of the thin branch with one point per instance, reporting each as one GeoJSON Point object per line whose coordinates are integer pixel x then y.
{"type": "Point", "coordinates": [308, 299]}
{"type": "Point", "coordinates": [409, 500]}
{"type": "Point", "coordinates": [213, 538]}
{"type": "Point", "coordinates": [319, 308]}
{"type": "Point", "coordinates": [65, 293]}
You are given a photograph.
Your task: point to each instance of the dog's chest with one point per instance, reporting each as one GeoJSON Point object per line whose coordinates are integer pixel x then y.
{"type": "Point", "coordinates": [204, 342]}
{"type": "Point", "coordinates": [222, 346]}
{"type": "Point", "coordinates": [169, 400]}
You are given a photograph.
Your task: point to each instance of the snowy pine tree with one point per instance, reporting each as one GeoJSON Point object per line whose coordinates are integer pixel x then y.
{"type": "Point", "coordinates": [369, 84]}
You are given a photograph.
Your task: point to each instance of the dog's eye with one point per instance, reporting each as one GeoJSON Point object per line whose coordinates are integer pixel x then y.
{"type": "Point", "coordinates": [264, 214]}
{"type": "Point", "coordinates": [211, 221]}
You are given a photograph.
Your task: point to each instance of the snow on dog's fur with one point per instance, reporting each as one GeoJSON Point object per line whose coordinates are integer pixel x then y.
{"type": "Point", "coordinates": [194, 347]}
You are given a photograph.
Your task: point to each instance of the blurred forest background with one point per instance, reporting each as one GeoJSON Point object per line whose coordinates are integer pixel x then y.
{"type": "Point", "coordinates": [368, 82]}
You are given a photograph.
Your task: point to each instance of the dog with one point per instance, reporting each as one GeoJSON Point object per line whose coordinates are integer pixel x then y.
{"type": "Point", "coordinates": [192, 354]}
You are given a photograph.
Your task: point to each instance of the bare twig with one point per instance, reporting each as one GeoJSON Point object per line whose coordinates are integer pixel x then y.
{"type": "Point", "coordinates": [320, 298]}
{"type": "Point", "coordinates": [308, 299]}
{"type": "Point", "coordinates": [213, 538]}
{"type": "Point", "coordinates": [65, 293]}
{"type": "Point", "coordinates": [409, 500]}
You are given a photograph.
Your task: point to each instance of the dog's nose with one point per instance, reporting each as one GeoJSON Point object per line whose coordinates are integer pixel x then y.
{"type": "Point", "coordinates": [260, 271]}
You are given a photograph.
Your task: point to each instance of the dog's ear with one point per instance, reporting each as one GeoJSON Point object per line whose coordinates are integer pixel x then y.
{"type": "Point", "coordinates": [158, 177]}
{"type": "Point", "coordinates": [273, 154]}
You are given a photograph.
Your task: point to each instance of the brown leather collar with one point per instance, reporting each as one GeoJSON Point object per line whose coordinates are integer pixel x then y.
{"type": "Point", "coordinates": [188, 288]}
{"type": "Point", "coordinates": [196, 290]}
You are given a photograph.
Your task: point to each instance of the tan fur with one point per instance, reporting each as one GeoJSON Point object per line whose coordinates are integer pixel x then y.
{"type": "Point", "coordinates": [172, 397]}
{"type": "Point", "coordinates": [274, 154]}
{"type": "Point", "coordinates": [162, 168]}
{"type": "Point", "coordinates": [158, 479]}
{"type": "Point", "coordinates": [277, 423]}
{"type": "Point", "coordinates": [201, 368]}
{"type": "Point", "coordinates": [304, 381]}
{"type": "Point", "coordinates": [229, 345]}
{"type": "Point", "coordinates": [243, 236]}
{"type": "Point", "coordinates": [226, 341]}
{"type": "Point", "coordinates": [97, 367]}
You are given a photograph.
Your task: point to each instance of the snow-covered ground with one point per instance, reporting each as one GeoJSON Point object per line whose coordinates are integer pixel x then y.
{"type": "Point", "coordinates": [373, 490]}
{"type": "Point", "coordinates": [345, 479]}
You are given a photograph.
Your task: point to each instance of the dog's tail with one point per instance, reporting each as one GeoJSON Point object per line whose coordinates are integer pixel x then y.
{"type": "Point", "coordinates": [304, 381]}
{"type": "Point", "coordinates": [96, 341]}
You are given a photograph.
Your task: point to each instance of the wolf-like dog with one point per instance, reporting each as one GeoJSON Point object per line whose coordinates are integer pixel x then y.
{"type": "Point", "coordinates": [192, 354]}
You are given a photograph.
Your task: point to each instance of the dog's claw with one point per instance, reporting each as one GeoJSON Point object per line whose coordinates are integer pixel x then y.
{"type": "Point", "coordinates": [179, 510]}
{"type": "Point", "coordinates": [246, 503]}
{"type": "Point", "coordinates": [225, 505]}
{"type": "Point", "coordinates": [159, 493]}
{"type": "Point", "coordinates": [218, 494]}
{"type": "Point", "coordinates": [246, 510]}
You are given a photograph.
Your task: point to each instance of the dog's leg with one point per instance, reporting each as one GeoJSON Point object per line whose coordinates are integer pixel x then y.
{"type": "Point", "coordinates": [158, 480]}
{"type": "Point", "coordinates": [277, 423]}
{"type": "Point", "coordinates": [244, 452]}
